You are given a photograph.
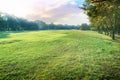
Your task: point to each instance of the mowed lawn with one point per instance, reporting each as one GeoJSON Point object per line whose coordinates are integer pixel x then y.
{"type": "Point", "coordinates": [58, 55]}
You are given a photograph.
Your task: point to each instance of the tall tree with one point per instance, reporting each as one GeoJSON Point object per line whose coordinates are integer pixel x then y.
{"type": "Point", "coordinates": [104, 14]}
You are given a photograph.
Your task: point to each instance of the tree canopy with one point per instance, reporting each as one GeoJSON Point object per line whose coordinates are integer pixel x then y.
{"type": "Point", "coordinates": [104, 15]}
{"type": "Point", "coordinates": [13, 23]}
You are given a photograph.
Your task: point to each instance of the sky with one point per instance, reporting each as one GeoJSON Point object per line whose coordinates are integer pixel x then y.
{"type": "Point", "coordinates": [49, 11]}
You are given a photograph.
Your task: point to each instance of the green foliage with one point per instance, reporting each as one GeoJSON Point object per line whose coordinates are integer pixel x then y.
{"type": "Point", "coordinates": [104, 15]}
{"type": "Point", "coordinates": [58, 55]}
{"type": "Point", "coordinates": [85, 27]}
{"type": "Point", "coordinates": [13, 23]}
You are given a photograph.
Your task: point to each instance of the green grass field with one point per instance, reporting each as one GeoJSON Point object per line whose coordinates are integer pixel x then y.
{"type": "Point", "coordinates": [58, 55]}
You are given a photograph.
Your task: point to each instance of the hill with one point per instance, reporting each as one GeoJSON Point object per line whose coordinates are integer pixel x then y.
{"type": "Point", "coordinates": [58, 55]}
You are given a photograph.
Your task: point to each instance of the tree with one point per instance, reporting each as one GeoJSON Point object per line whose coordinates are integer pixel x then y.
{"type": "Point", "coordinates": [84, 26]}
{"type": "Point", "coordinates": [104, 15]}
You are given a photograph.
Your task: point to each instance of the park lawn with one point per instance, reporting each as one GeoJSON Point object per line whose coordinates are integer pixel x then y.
{"type": "Point", "coordinates": [58, 55]}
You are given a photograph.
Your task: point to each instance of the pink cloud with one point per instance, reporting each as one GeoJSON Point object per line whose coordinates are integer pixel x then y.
{"type": "Point", "coordinates": [56, 13]}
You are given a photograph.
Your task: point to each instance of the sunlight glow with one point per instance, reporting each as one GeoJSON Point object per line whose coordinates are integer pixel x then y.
{"type": "Point", "coordinates": [46, 10]}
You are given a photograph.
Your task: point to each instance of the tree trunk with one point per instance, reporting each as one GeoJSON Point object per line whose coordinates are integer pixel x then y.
{"type": "Point", "coordinates": [113, 35]}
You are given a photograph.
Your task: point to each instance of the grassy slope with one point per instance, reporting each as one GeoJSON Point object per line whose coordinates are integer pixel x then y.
{"type": "Point", "coordinates": [58, 55]}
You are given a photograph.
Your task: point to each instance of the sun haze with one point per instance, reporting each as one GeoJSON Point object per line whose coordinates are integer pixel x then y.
{"type": "Point", "coordinates": [56, 11]}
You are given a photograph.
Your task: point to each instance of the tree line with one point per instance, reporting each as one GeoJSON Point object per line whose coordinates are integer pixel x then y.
{"type": "Point", "coordinates": [13, 23]}
{"type": "Point", "coordinates": [104, 15]}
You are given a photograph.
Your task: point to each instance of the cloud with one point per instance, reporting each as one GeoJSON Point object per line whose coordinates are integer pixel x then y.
{"type": "Point", "coordinates": [75, 19]}
{"type": "Point", "coordinates": [64, 10]}
{"type": "Point", "coordinates": [61, 12]}
{"type": "Point", "coordinates": [46, 10]}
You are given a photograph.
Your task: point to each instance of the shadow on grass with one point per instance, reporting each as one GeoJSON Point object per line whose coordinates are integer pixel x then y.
{"type": "Point", "coordinates": [6, 34]}
{"type": "Point", "coordinates": [118, 38]}
{"type": "Point", "coordinates": [9, 42]}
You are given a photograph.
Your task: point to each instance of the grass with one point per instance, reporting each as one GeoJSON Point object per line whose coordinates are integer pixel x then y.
{"type": "Point", "coordinates": [58, 55]}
